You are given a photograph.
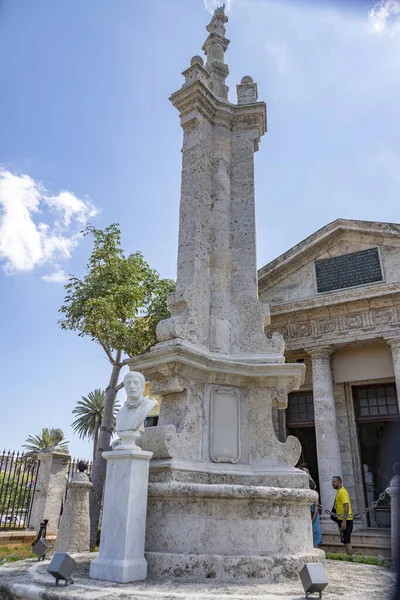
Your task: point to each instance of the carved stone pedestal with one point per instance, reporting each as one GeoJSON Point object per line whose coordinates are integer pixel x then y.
{"type": "Point", "coordinates": [225, 500]}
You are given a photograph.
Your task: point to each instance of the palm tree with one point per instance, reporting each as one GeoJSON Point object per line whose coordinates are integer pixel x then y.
{"type": "Point", "coordinates": [89, 413]}
{"type": "Point", "coordinates": [35, 444]}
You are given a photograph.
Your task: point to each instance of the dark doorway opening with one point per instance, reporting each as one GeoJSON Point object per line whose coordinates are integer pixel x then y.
{"type": "Point", "coordinates": [300, 423]}
{"type": "Point", "coordinates": [377, 416]}
{"type": "Point", "coordinates": [306, 437]}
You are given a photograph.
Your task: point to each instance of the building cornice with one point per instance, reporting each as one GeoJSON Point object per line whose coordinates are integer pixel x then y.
{"type": "Point", "coordinates": [342, 329]}
{"type": "Point", "coordinates": [364, 293]}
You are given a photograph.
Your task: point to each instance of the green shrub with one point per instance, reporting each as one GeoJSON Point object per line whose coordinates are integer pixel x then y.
{"type": "Point", "coordinates": [98, 537]}
{"type": "Point", "coordinates": [378, 561]}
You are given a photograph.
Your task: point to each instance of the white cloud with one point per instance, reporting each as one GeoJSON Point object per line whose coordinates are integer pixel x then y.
{"type": "Point", "coordinates": [27, 242]}
{"type": "Point", "coordinates": [211, 5]}
{"type": "Point", "coordinates": [58, 276]}
{"type": "Point", "coordinates": [69, 206]}
{"type": "Point", "coordinates": [385, 15]}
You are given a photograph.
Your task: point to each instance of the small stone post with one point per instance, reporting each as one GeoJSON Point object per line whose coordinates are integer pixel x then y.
{"type": "Point", "coordinates": [50, 485]}
{"type": "Point", "coordinates": [74, 532]}
{"type": "Point", "coordinates": [394, 492]}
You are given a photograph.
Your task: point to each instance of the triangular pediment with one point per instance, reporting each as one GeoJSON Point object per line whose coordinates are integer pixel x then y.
{"type": "Point", "coordinates": [343, 256]}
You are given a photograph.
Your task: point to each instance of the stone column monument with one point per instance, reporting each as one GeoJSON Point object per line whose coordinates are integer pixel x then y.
{"type": "Point", "coordinates": [121, 556]}
{"type": "Point", "coordinates": [225, 501]}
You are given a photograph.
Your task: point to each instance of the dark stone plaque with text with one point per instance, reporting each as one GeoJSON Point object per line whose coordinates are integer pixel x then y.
{"type": "Point", "coordinates": [348, 270]}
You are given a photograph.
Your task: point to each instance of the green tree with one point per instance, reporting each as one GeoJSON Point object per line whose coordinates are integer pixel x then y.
{"type": "Point", "coordinates": [35, 444]}
{"type": "Point", "coordinates": [89, 413]}
{"type": "Point", "coordinates": [118, 304]}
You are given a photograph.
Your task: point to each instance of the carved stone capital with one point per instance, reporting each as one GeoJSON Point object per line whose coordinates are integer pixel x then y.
{"type": "Point", "coordinates": [320, 351]}
{"type": "Point", "coordinates": [393, 342]}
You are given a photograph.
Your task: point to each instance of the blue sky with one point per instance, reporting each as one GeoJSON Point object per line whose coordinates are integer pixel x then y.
{"type": "Point", "coordinates": [87, 133]}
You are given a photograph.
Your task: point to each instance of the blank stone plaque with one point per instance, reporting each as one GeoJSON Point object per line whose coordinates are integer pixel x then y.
{"type": "Point", "coordinates": [225, 425]}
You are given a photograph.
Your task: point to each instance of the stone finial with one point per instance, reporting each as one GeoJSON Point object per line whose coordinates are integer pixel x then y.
{"type": "Point", "coordinates": [82, 466]}
{"type": "Point", "coordinates": [214, 48]}
{"type": "Point", "coordinates": [247, 92]}
{"type": "Point", "coordinates": [197, 60]}
{"type": "Point", "coordinates": [56, 437]}
{"type": "Point", "coordinates": [196, 72]}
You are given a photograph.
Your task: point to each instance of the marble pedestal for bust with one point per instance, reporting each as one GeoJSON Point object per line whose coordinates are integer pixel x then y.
{"type": "Point", "coordinates": [121, 556]}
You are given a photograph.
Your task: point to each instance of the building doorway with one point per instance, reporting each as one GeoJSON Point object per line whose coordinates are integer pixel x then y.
{"type": "Point", "coordinates": [377, 417]}
{"type": "Point", "coordinates": [300, 423]}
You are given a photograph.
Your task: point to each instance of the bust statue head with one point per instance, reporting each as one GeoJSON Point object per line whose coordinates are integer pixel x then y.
{"type": "Point", "coordinates": [134, 384]}
{"type": "Point", "coordinates": [56, 436]}
{"type": "Point", "coordinates": [132, 414]}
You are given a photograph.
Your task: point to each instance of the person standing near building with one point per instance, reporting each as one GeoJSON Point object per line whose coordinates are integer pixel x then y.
{"type": "Point", "coordinates": [343, 510]}
{"type": "Point", "coordinates": [316, 525]}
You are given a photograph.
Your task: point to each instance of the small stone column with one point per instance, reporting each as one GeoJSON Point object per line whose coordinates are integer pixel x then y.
{"type": "Point", "coordinates": [74, 532]}
{"type": "Point", "coordinates": [50, 489]}
{"type": "Point", "coordinates": [394, 492]}
{"type": "Point", "coordinates": [326, 433]}
{"type": "Point", "coordinates": [121, 557]}
{"type": "Point", "coordinates": [394, 344]}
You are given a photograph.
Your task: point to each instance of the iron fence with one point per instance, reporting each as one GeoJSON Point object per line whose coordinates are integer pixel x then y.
{"type": "Point", "coordinates": [18, 476]}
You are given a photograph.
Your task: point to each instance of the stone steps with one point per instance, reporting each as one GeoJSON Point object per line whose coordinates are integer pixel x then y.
{"type": "Point", "coordinates": [371, 542]}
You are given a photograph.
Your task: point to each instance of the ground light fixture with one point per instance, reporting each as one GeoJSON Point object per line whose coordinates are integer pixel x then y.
{"type": "Point", "coordinates": [314, 578]}
{"type": "Point", "coordinates": [41, 548]}
{"type": "Point", "coordinates": [61, 567]}
{"type": "Point", "coordinates": [41, 545]}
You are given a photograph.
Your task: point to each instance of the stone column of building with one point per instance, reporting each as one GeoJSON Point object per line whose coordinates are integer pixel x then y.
{"type": "Point", "coordinates": [394, 492]}
{"type": "Point", "coordinates": [326, 433]}
{"type": "Point", "coordinates": [394, 344]}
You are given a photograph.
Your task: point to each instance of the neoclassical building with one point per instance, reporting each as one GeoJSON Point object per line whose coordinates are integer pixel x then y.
{"type": "Point", "coordinates": [335, 298]}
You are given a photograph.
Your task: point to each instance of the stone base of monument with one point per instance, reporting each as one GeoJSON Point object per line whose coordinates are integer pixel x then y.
{"type": "Point", "coordinates": [121, 557]}
{"type": "Point", "coordinates": [228, 532]}
{"type": "Point", "coordinates": [30, 580]}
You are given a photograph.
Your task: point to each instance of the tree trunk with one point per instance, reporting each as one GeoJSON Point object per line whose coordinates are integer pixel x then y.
{"type": "Point", "coordinates": [103, 444]}
{"type": "Point", "coordinates": [95, 443]}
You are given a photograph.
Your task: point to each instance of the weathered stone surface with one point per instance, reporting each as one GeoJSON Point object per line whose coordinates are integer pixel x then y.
{"type": "Point", "coordinates": [29, 579]}
{"type": "Point", "coordinates": [50, 489]}
{"type": "Point", "coordinates": [326, 433]}
{"type": "Point", "coordinates": [74, 532]}
{"type": "Point", "coordinates": [205, 494]}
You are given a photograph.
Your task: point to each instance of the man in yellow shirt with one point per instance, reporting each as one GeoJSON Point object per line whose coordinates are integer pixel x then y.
{"type": "Point", "coordinates": [342, 508]}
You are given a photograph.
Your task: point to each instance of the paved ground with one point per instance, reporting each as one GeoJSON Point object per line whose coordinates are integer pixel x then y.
{"type": "Point", "coordinates": [29, 579]}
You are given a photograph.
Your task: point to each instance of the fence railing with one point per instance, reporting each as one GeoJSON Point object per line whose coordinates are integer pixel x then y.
{"type": "Point", "coordinates": [18, 475]}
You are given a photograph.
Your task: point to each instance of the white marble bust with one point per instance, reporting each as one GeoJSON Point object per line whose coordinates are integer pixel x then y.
{"type": "Point", "coordinates": [131, 416]}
